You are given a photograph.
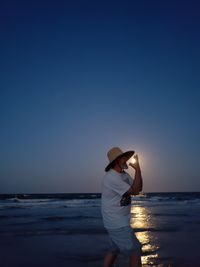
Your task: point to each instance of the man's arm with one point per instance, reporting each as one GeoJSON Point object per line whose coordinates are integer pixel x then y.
{"type": "Point", "coordinates": [137, 185]}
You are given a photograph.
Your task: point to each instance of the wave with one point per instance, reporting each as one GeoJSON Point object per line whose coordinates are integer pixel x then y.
{"type": "Point", "coordinates": [21, 200]}
{"type": "Point", "coordinates": [83, 203]}
{"type": "Point", "coordinates": [94, 200]}
{"type": "Point", "coordinates": [58, 196]}
{"type": "Point", "coordinates": [76, 203]}
{"type": "Point", "coordinates": [165, 200]}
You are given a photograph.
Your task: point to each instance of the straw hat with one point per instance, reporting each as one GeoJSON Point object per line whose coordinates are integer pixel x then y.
{"type": "Point", "coordinates": [115, 153]}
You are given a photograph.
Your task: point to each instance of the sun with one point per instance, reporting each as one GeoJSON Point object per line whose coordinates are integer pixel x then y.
{"type": "Point", "coordinates": [132, 160]}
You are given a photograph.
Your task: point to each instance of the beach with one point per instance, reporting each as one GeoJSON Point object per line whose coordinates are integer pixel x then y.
{"type": "Point", "coordinates": [67, 230]}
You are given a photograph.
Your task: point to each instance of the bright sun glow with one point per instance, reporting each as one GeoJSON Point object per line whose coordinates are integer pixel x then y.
{"type": "Point", "coordinates": [133, 160]}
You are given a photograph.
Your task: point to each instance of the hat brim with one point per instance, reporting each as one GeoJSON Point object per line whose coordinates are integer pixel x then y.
{"type": "Point", "coordinates": [127, 154]}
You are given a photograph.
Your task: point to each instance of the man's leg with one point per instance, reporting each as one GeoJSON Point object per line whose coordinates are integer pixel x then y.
{"type": "Point", "coordinates": [135, 260]}
{"type": "Point", "coordinates": [109, 259]}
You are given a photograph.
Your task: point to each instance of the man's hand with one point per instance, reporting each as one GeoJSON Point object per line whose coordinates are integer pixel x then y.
{"type": "Point", "coordinates": [136, 164]}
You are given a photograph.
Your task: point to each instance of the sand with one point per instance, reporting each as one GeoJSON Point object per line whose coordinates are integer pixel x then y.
{"type": "Point", "coordinates": [88, 250]}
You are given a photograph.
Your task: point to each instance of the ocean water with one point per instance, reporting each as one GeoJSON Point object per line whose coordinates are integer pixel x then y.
{"type": "Point", "coordinates": [67, 229]}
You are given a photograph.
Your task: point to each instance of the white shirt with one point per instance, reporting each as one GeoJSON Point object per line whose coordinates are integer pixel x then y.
{"type": "Point", "coordinates": [115, 208]}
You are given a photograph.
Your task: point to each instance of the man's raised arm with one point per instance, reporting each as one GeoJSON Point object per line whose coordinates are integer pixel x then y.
{"type": "Point", "coordinates": [137, 185]}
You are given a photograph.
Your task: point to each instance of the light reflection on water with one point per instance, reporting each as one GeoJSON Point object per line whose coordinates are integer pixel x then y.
{"type": "Point", "coordinates": [141, 220]}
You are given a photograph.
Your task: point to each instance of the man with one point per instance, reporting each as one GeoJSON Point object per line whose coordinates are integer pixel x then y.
{"type": "Point", "coordinates": [117, 188]}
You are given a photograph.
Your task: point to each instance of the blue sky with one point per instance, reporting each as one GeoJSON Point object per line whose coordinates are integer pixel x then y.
{"type": "Point", "coordinates": [79, 77]}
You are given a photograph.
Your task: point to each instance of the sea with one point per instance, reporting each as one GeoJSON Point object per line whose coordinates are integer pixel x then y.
{"type": "Point", "coordinates": [40, 230]}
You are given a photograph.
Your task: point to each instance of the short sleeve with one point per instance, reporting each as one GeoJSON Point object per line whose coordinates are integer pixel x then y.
{"type": "Point", "coordinates": [129, 178]}
{"type": "Point", "coordinates": [118, 185]}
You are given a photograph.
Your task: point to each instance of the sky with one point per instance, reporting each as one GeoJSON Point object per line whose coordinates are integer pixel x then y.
{"type": "Point", "coordinates": [79, 77]}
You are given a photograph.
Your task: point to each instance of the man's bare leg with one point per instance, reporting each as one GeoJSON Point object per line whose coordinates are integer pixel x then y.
{"type": "Point", "coordinates": [135, 260]}
{"type": "Point", "coordinates": [109, 259]}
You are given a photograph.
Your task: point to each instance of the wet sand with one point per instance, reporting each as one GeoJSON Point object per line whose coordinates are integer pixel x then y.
{"type": "Point", "coordinates": [177, 249]}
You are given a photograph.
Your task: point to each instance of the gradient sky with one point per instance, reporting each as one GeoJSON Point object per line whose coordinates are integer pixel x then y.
{"type": "Point", "coordinates": [78, 77]}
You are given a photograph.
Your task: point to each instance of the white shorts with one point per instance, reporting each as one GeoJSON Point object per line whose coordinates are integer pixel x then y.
{"type": "Point", "coordinates": [124, 240]}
